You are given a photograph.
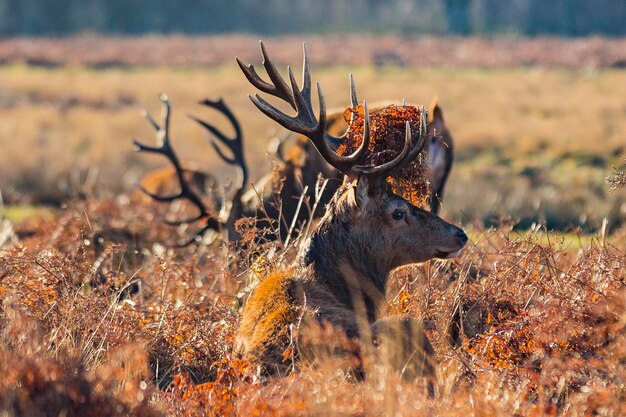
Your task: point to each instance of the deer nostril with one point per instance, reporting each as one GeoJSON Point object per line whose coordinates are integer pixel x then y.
{"type": "Point", "coordinates": [462, 237]}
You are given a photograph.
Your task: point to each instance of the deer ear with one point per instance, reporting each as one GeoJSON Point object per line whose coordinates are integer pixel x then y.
{"type": "Point", "coordinates": [361, 192]}
{"type": "Point", "coordinates": [434, 110]}
{"type": "Point", "coordinates": [435, 117]}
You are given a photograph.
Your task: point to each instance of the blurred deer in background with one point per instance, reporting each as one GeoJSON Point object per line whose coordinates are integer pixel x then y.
{"type": "Point", "coordinates": [282, 197]}
{"type": "Point", "coordinates": [340, 275]}
{"type": "Point", "coordinates": [273, 206]}
{"type": "Point", "coordinates": [440, 155]}
{"type": "Point", "coordinates": [188, 189]}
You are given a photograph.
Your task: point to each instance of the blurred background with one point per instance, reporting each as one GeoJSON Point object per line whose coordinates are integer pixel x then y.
{"type": "Point", "coordinates": [276, 17]}
{"type": "Point", "coordinates": [533, 92]}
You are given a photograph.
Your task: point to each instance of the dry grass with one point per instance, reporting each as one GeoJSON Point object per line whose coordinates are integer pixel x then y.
{"type": "Point", "coordinates": [617, 179]}
{"type": "Point", "coordinates": [122, 326]}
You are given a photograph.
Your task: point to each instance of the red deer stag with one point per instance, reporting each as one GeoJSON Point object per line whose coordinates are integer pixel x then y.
{"type": "Point", "coordinates": [339, 277]}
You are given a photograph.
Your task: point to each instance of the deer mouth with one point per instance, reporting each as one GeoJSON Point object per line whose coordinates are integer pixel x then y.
{"type": "Point", "coordinates": [450, 255]}
{"type": "Point", "coordinates": [447, 254]}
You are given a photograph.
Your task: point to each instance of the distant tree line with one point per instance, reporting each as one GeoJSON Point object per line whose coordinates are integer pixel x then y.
{"type": "Point", "coordinates": [463, 17]}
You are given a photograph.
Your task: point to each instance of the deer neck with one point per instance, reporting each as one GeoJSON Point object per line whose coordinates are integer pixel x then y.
{"type": "Point", "coordinates": [347, 268]}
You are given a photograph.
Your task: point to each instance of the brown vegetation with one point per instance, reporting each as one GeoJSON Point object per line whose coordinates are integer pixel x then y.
{"type": "Point", "coordinates": [617, 180]}
{"type": "Point", "coordinates": [539, 328]}
{"type": "Point", "coordinates": [100, 51]}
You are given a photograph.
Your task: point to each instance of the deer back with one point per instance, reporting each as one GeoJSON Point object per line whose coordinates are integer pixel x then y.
{"type": "Point", "coordinates": [164, 181]}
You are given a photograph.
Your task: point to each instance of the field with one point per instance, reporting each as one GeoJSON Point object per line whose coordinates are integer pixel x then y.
{"type": "Point", "coordinates": [538, 142]}
{"type": "Point", "coordinates": [98, 316]}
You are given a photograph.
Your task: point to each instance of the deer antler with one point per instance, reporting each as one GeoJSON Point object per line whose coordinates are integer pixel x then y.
{"type": "Point", "coordinates": [305, 122]}
{"type": "Point", "coordinates": [165, 148]}
{"type": "Point", "coordinates": [235, 145]}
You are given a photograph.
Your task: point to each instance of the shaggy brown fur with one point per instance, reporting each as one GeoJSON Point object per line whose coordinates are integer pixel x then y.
{"type": "Point", "coordinates": [340, 278]}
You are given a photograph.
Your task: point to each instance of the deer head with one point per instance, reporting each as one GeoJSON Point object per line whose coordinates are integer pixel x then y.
{"type": "Point", "coordinates": [367, 228]}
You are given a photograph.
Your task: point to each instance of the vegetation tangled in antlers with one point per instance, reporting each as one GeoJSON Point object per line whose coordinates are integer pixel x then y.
{"type": "Point", "coordinates": [387, 126]}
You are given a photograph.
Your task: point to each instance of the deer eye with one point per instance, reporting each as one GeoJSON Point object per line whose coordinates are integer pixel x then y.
{"type": "Point", "coordinates": [398, 214]}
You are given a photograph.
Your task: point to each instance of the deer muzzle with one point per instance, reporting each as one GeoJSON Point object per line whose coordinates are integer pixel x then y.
{"type": "Point", "coordinates": [459, 242]}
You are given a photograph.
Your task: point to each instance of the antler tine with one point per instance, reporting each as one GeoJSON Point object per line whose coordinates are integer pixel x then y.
{"type": "Point", "coordinates": [165, 117]}
{"type": "Point", "coordinates": [358, 155]}
{"type": "Point", "coordinates": [421, 139]}
{"type": "Point", "coordinates": [148, 117]}
{"type": "Point", "coordinates": [302, 102]}
{"type": "Point", "coordinates": [279, 88]}
{"type": "Point", "coordinates": [353, 100]}
{"type": "Point", "coordinates": [306, 75]}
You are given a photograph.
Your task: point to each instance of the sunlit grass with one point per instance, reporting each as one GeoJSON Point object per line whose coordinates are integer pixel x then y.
{"type": "Point", "coordinates": [522, 110]}
{"type": "Point", "coordinates": [542, 313]}
{"type": "Point", "coordinates": [20, 213]}
{"type": "Point", "coordinates": [537, 143]}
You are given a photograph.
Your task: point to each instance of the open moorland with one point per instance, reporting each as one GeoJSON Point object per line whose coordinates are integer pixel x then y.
{"type": "Point", "coordinates": [538, 142]}
{"type": "Point", "coordinates": [100, 316]}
